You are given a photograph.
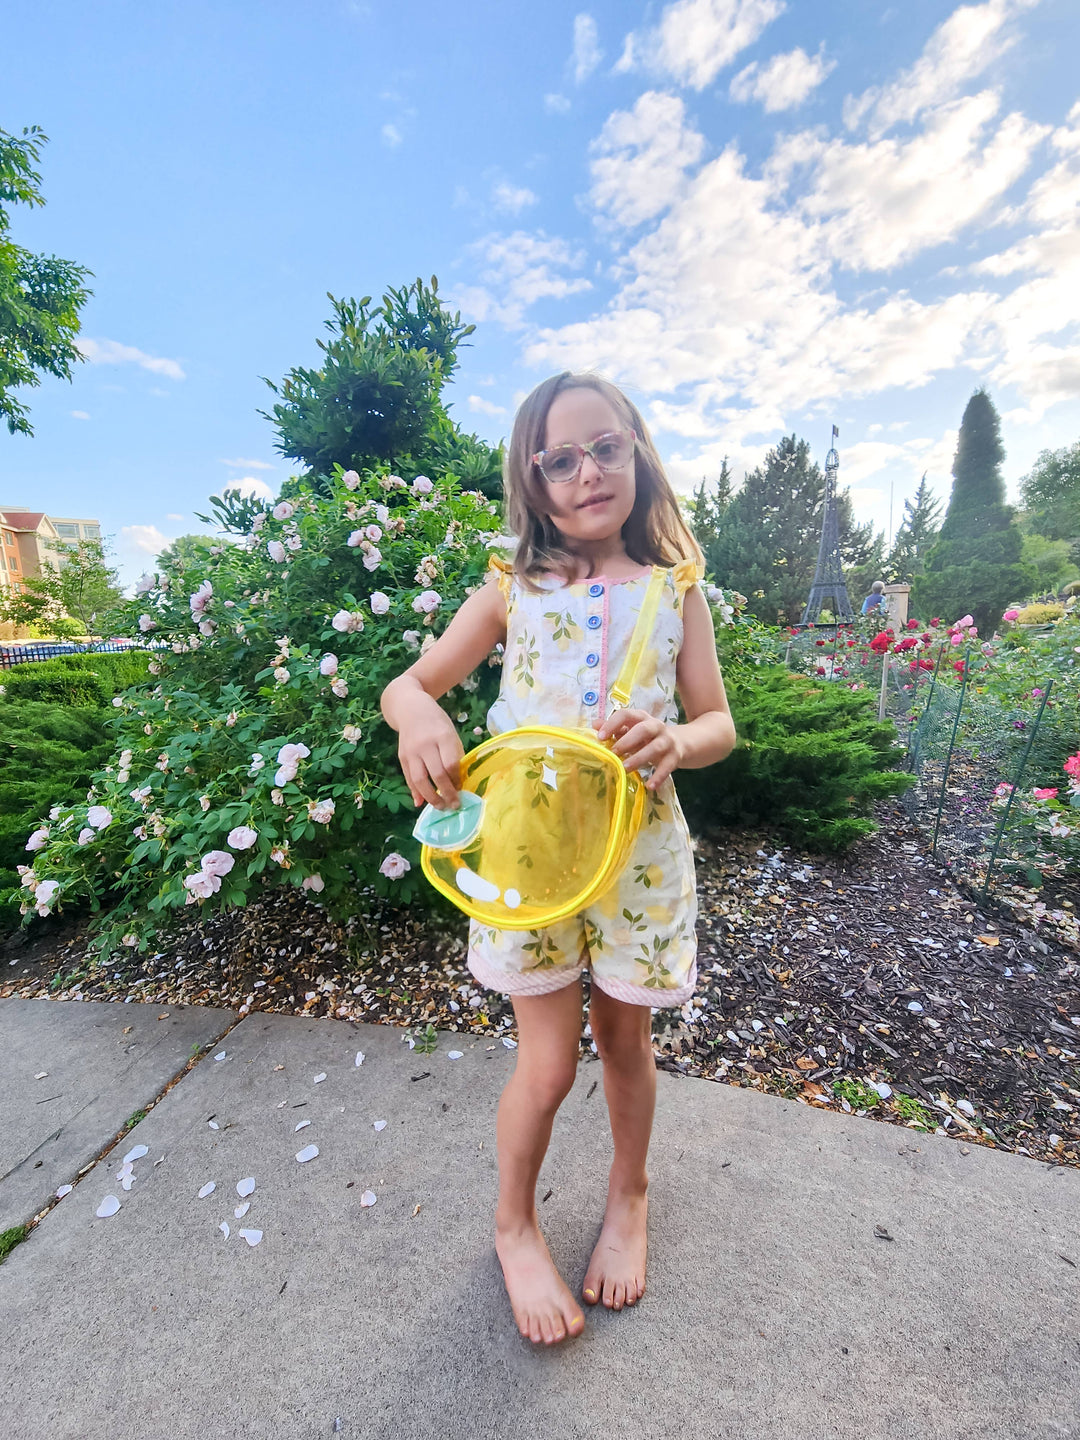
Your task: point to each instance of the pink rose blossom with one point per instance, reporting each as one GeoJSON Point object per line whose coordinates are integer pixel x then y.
{"type": "Point", "coordinates": [1010, 615]}
{"type": "Point", "coordinates": [394, 866]}
{"type": "Point", "coordinates": [328, 665]}
{"type": "Point", "coordinates": [355, 538]}
{"type": "Point", "coordinates": [1045, 794]}
{"type": "Point", "coordinates": [147, 623]}
{"type": "Point", "coordinates": [350, 479]}
{"type": "Point", "coordinates": [422, 485]}
{"type": "Point", "coordinates": [380, 603]}
{"type": "Point", "coordinates": [313, 882]}
{"type": "Point", "coordinates": [216, 862]}
{"type": "Point", "coordinates": [373, 532]}
{"type": "Point", "coordinates": [427, 602]}
{"type": "Point", "coordinates": [98, 816]}
{"type": "Point", "coordinates": [372, 559]}
{"type": "Point", "coordinates": [321, 811]}
{"type": "Point", "coordinates": [275, 550]}
{"type": "Point", "coordinates": [242, 837]}
{"type": "Point", "coordinates": [283, 510]}
{"type": "Point", "coordinates": [38, 840]}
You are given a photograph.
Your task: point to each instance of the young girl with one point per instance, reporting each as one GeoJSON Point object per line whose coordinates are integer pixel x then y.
{"type": "Point", "coordinates": [593, 511]}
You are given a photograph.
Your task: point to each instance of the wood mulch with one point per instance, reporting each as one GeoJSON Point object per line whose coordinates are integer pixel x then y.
{"type": "Point", "coordinates": [867, 983]}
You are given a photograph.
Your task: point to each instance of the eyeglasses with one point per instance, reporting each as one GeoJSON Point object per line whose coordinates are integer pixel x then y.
{"type": "Point", "coordinates": [564, 462]}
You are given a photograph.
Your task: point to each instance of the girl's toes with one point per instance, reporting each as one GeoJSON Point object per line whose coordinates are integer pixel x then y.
{"type": "Point", "coordinates": [619, 1296]}
{"type": "Point", "coordinates": [590, 1295]}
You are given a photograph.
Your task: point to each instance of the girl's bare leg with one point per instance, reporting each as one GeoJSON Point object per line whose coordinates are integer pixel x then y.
{"type": "Point", "coordinates": [549, 1033]}
{"type": "Point", "coordinates": [623, 1035]}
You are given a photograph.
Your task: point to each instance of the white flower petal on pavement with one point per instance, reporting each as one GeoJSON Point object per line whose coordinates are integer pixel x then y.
{"type": "Point", "coordinates": [213, 1125]}
{"type": "Point", "coordinates": [319, 1078]}
{"type": "Point", "coordinates": [241, 1210]}
{"type": "Point", "coordinates": [208, 1189]}
{"type": "Point", "coordinates": [359, 1058]}
{"type": "Point", "coordinates": [252, 1236]}
{"type": "Point", "coordinates": [159, 1159]}
{"type": "Point", "coordinates": [136, 1153]}
{"type": "Point", "coordinates": [128, 1181]}
{"type": "Point", "coordinates": [454, 1054]}
{"type": "Point", "coordinates": [380, 1124]}
{"type": "Point", "coordinates": [368, 1197]}
{"type": "Point", "coordinates": [220, 1055]}
{"type": "Point", "coordinates": [109, 1206]}
{"type": "Point", "coordinates": [245, 1187]}
{"type": "Point", "coordinates": [125, 1170]}
{"type": "Point", "coordinates": [224, 1228]}
{"type": "Point", "coordinates": [64, 1190]}
{"type": "Point", "coordinates": [510, 1044]}
{"type": "Point", "coordinates": [308, 1153]}
{"type": "Point", "coordinates": [41, 1075]}
{"type": "Point", "coordinates": [301, 1125]}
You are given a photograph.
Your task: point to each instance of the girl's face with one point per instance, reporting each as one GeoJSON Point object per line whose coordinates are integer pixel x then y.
{"type": "Point", "coordinates": [597, 503]}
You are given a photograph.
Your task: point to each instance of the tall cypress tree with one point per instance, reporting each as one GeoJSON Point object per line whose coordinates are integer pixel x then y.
{"type": "Point", "coordinates": [974, 565]}
{"type": "Point", "coordinates": [918, 531]}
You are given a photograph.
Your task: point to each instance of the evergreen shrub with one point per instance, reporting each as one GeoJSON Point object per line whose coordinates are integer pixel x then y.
{"type": "Point", "coordinates": [811, 759]}
{"type": "Point", "coordinates": [90, 679]}
{"type": "Point", "coordinates": [48, 752]}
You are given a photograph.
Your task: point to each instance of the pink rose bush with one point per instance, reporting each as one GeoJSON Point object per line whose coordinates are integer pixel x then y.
{"type": "Point", "coordinates": [258, 755]}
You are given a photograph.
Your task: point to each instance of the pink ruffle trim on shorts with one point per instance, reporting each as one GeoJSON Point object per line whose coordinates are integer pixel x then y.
{"type": "Point", "coordinates": [546, 981]}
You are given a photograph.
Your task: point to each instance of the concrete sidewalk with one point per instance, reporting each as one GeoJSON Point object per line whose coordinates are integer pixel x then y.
{"type": "Point", "coordinates": [773, 1312]}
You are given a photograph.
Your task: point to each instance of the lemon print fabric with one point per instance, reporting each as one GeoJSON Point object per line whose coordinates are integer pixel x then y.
{"type": "Point", "coordinates": [564, 648]}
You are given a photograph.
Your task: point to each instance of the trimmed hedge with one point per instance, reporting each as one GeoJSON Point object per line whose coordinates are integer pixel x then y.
{"type": "Point", "coordinates": [90, 679]}
{"type": "Point", "coordinates": [811, 759]}
{"type": "Point", "coordinates": [47, 754]}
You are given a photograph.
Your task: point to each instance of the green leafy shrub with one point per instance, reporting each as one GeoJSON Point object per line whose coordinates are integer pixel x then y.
{"type": "Point", "coordinates": [260, 756]}
{"type": "Point", "coordinates": [47, 755]}
{"type": "Point", "coordinates": [90, 679]}
{"type": "Point", "coordinates": [811, 758]}
{"type": "Point", "coordinates": [1039, 614]}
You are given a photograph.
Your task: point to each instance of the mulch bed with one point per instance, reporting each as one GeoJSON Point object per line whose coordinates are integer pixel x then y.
{"type": "Point", "coordinates": [867, 983]}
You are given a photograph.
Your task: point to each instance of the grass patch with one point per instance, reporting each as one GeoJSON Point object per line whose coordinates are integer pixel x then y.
{"type": "Point", "coordinates": [10, 1238]}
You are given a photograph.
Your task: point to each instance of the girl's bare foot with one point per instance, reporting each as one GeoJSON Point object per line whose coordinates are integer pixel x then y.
{"type": "Point", "coordinates": [616, 1271]}
{"type": "Point", "coordinates": [543, 1306]}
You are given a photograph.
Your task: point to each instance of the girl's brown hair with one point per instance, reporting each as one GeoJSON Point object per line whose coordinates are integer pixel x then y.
{"type": "Point", "coordinates": [655, 532]}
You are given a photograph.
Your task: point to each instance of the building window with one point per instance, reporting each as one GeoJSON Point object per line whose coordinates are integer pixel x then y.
{"type": "Point", "coordinates": [91, 532]}
{"type": "Point", "coordinates": [13, 562]}
{"type": "Point", "coordinates": [69, 531]}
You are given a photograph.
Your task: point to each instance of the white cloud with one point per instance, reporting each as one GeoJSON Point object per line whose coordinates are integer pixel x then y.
{"type": "Point", "coordinates": [696, 39]}
{"type": "Point", "coordinates": [885, 201]}
{"type": "Point", "coordinates": [960, 48]}
{"type": "Point", "coordinates": [250, 488]}
{"type": "Point", "coordinates": [586, 55]}
{"type": "Point", "coordinates": [145, 537]}
{"type": "Point", "coordinates": [512, 198]}
{"type": "Point", "coordinates": [556, 104]}
{"type": "Point", "coordinates": [80, 415]}
{"type": "Point", "coordinates": [639, 158]}
{"type": "Point", "coordinates": [174, 517]}
{"type": "Point", "coordinates": [111, 352]}
{"type": "Point", "coordinates": [517, 270]}
{"type": "Point", "coordinates": [481, 406]}
{"type": "Point", "coordinates": [246, 464]}
{"type": "Point", "coordinates": [391, 135]}
{"type": "Point", "coordinates": [783, 82]}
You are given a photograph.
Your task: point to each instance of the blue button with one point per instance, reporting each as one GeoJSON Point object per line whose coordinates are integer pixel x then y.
{"type": "Point", "coordinates": [590, 697]}
{"type": "Point", "coordinates": [594, 622]}
{"type": "Point", "coordinates": [596, 589]}
{"type": "Point", "coordinates": [593, 659]}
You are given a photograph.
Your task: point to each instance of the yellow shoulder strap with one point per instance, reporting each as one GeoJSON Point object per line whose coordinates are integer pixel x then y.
{"type": "Point", "coordinates": [620, 691]}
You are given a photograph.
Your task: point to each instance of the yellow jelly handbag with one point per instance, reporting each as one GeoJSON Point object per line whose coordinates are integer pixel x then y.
{"type": "Point", "coordinates": [547, 816]}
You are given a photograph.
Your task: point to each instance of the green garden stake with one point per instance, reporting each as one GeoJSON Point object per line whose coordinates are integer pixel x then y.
{"type": "Point", "coordinates": [1015, 787]}
{"type": "Point", "coordinates": [948, 757]}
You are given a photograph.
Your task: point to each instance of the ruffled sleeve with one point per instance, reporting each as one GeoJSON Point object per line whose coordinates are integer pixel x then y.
{"type": "Point", "coordinates": [504, 575]}
{"type": "Point", "coordinates": [685, 574]}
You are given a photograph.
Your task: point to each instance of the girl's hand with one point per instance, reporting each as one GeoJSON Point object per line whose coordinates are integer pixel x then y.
{"type": "Point", "coordinates": [643, 740]}
{"type": "Point", "coordinates": [430, 751]}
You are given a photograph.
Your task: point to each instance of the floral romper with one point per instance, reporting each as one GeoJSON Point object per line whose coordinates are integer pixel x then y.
{"type": "Point", "coordinates": [564, 648]}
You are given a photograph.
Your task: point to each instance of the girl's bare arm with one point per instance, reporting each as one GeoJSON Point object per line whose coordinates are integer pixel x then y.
{"type": "Point", "coordinates": [643, 740]}
{"type": "Point", "coordinates": [429, 748]}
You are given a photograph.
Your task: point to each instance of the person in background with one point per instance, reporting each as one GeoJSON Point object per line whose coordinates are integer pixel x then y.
{"type": "Point", "coordinates": [875, 601]}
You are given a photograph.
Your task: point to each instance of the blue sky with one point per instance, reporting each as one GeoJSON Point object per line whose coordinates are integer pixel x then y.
{"type": "Point", "coordinates": [758, 217]}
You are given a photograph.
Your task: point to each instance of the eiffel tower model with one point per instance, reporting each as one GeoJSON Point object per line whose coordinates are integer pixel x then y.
{"type": "Point", "coordinates": [829, 581]}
